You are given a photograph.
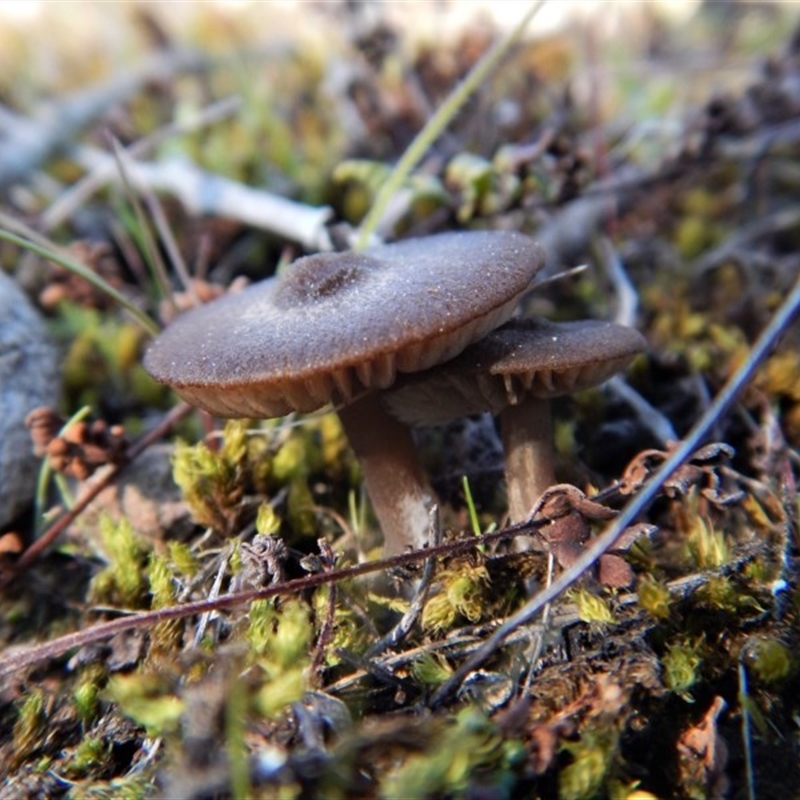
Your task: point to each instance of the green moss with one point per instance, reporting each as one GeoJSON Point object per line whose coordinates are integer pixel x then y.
{"type": "Point", "coordinates": [124, 581]}
{"type": "Point", "coordinates": [30, 725]}
{"type": "Point", "coordinates": [147, 700]}
{"type": "Point", "coordinates": [182, 559]}
{"type": "Point", "coordinates": [103, 358]}
{"type": "Point", "coordinates": [300, 510]}
{"type": "Point", "coordinates": [698, 230]}
{"type": "Point", "coordinates": [87, 692]}
{"type": "Point", "coordinates": [133, 787]}
{"type": "Point", "coordinates": [267, 521]}
{"type": "Point", "coordinates": [280, 641]}
{"type": "Point", "coordinates": [91, 753]}
{"type": "Point", "coordinates": [681, 664]}
{"type": "Point", "coordinates": [722, 593]}
{"type": "Point", "coordinates": [162, 588]}
{"type": "Point", "coordinates": [654, 597]}
{"type": "Point", "coordinates": [213, 482]}
{"type": "Point", "coordinates": [768, 659]}
{"type": "Point", "coordinates": [431, 669]}
{"type": "Point", "coordinates": [359, 180]}
{"type": "Point", "coordinates": [467, 752]}
{"type": "Point", "coordinates": [462, 592]}
{"type": "Point", "coordinates": [235, 722]}
{"type": "Point", "coordinates": [293, 460]}
{"type": "Point", "coordinates": [583, 778]}
{"type": "Point", "coordinates": [349, 632]}
{"type": "Point", "coordinates": [591, 608]}
{"type": "Point", "coordinates": [284, 635]}
{"type": "Point", "coordinates": [693, 236]}
{"type": "Point", "coordinates": [707, 547]}
{"type": "Point", "coordinates": [165, 637]}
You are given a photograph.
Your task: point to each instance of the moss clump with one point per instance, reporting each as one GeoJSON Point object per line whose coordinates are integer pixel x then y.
{"type": "Point", "coordinates": [707, 546]}
{"type": "Point", "coordinates": [280, 641]}
{"type": "Point", "coordinates": [769, 660]}
{"type": "Point", "coordinates": [654, 597]}
{"type": "Point", "coordinates": [87, 693]}
{"type": "Point", "coordinates": [165, 638]}
{"type": "Point", "coordinates": [147, 699]}
{"type": "Point", "coordinates": [213, 482]}
{"type": "Point", "coordinates": [462, 593]}
{"type": "Point", "coordinates": [349, 634]}
{"type": "Point", "coordinates": [591, 759]}
{"type": "Point", "coordinates": [29, 727]}
{"type": "Point", "coordinates": [681, 664]}
{"type": "Point", "coordinates": [431, 669]}
{"type": "Point", "coordinates": [468, 752]}
{"type": "Point", "coordinates": [124, 581]}
{"type": "Point", "coordinates": [91, 753]}
{"type": "Point", "coordinates": [591, 608]}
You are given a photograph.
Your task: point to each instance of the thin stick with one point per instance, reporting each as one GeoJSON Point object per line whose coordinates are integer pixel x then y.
{"type": "Point", "coordinates": [147, 241]}
{"type": "Point", "coordinates": [94, 180]}
{"type": "Point", "coordinates": [649, 416]}
{"type": "Point", "coordinates": [329, 622]}
{"type": "Point", "coordinates": [626, 298]}
{"type": "Point", "coordinates": [168, 240]}
{"type": "Point", "coordinates": [215, 590]}
{"type": "Point", "coordinates": [14, 659]}
{"type": "Point", "coordinates": [747, 736]}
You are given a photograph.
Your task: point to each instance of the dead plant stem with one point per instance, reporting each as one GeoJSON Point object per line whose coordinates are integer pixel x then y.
{"type": "Point", "coordinates": [13, 660]}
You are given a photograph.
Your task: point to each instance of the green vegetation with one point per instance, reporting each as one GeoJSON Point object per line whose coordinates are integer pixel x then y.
{"type": "Point", "coordinates": [238, 650]}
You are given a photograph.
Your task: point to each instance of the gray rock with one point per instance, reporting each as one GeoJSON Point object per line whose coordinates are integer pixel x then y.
{"type": "Point", "coordinates": [29, 377]}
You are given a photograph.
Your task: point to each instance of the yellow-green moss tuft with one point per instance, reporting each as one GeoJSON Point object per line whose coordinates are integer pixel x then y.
{"type": "Point", "coordinates": [654, 597]}
{"type": "Point", "coordinates": [124, 581]}
{"type": "Point", "coordinates": [681, 664]}
{"type": "Point", "coordinates": [591, 608]}
{"type": "Point", "coordinates": [768, 659]}
{"type": "Point", "coordinates": [462, 592]}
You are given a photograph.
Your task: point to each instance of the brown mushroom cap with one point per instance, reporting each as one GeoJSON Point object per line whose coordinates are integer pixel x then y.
{"type": "Point", "coordinates": [337, 323]}
{"type": "Point", "coordinates": [523, 358]}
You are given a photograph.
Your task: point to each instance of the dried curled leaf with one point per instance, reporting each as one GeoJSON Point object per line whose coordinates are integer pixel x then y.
{"type": "Point", "coordinates": [704, 754]}
{"type": "Point", "coordinates": [700, 471]}
{"type": "Point", "coordinates": [570, 512]}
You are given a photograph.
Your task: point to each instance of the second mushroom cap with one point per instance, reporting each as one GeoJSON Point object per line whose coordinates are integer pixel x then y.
{"type": "Point", "coordinates": [523, 358]}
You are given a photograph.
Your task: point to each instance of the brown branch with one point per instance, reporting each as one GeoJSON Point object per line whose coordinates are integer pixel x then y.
{"type": "Point", "coordinates": [12, 660]}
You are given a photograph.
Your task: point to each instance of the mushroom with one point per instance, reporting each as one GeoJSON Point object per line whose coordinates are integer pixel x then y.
{"type": "Point", "coordinates": [514, 372]}
{"type": "Point", "coordinates": [336, 327]}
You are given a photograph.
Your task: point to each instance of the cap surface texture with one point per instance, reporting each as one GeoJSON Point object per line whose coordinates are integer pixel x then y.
{"type": "Point", "coordinates": [335, 324]}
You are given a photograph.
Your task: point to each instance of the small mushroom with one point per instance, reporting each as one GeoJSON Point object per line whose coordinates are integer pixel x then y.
{"type": "Point", "coordinates": [514, 372]}
{"type": "Point", "coordinates": [335, 327]}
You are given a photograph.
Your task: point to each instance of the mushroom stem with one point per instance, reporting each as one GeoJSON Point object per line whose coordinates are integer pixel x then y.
{"type": "Point", "coordinates": [396, 485]}
{"type": "Point", "coordinates": [527, 431]}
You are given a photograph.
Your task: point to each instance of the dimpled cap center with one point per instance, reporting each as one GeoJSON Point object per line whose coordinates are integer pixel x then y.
{"type": "Point", "coordinates": [318, 278]}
